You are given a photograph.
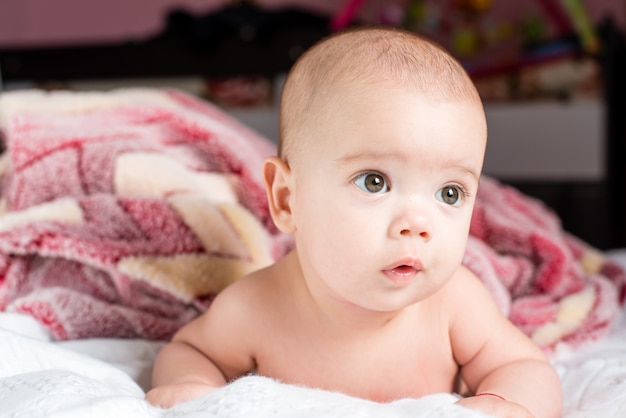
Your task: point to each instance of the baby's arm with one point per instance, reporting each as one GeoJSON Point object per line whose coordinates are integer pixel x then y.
{"type": "Point", "coordinates": [496, 358]}
{"type": "Point", "coordinates": [204, 354]}
{"type": "Point", "coordinates": [182, 373]}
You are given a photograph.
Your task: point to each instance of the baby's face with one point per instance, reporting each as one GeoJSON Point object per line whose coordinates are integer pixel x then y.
{"type": "Point", "coordinates": [384, 194]}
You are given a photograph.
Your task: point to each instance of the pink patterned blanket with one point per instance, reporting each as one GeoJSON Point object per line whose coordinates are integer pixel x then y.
{"type": "Point", "coordinates": [553, 286]}
{"type": "Point", "coordinates": [124, 212]}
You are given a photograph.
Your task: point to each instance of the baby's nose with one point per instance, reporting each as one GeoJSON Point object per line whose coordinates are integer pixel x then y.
{"type": "Point", "coordinates": [412, 222]}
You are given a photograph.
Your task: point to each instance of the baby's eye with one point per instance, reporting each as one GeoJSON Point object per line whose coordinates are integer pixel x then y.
{"type": "Point", "coordinates": [451, 195]}
{"type": "Point", "coordinates": [372, 183]}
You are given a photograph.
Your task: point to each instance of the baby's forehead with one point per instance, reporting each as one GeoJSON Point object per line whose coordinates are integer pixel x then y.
{"type": "Point", "coordinates": [364, 77]}
{"type": "Point", "coordinates": [365, 64]}
{"type": "Point", "coordinates": [370, 111]}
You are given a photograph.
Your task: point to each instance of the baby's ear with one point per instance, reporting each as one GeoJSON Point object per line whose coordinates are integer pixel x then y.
{"type": "Point", "coordinates": [277, 176]}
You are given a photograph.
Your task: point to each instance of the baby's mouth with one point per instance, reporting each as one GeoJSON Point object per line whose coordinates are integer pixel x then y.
{"type": "Point", "coordinates": [406, 265]}
{"type": "Point", "coordinates": [403, 272]}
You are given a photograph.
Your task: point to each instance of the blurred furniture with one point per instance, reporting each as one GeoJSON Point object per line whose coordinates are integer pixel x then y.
{"type": "Point", "coordinates": [244, 40]}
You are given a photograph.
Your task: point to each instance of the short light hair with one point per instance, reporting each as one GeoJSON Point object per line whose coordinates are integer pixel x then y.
{"type": "Point", "coordinates": [364, 58]}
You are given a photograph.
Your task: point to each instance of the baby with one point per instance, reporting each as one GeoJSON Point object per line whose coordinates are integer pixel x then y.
{"type": "Point", "coordinates": [382, 143]}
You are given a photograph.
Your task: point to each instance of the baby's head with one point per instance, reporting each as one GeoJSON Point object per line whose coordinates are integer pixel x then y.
{"type": "Point", "coordinates": [352, 64]}
{"type": "Point", "coordinates": [382, 143]}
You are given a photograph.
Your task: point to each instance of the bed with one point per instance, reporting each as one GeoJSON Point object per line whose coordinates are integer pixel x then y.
{"type": "Point", "coordinates": [125, 211]}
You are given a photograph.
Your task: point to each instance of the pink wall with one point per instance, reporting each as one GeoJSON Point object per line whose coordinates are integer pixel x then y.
{"type": "Point", "coordinates": [32, 22]}
{"type": "Point", "coordinates": [24, 22]}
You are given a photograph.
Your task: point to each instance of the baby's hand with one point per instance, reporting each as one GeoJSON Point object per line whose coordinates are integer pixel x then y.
{"type": "Point", "coordinates": [169, 395]}
{"type": "Point", "coordinates": [495, 406]}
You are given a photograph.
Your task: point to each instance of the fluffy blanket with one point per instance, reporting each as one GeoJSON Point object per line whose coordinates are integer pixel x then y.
{"type": "Point", "coordinates": [39, 379]}
{"type": "Point", "coordinates": [106, 377]}
{"type": "Point", "coordinates": [125, 212]}
{"type": "Point", "coordinates": [555, 287]}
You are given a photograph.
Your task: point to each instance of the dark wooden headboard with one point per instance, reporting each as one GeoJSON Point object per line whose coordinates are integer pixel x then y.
{"type": "Point", "coordinates": [236, 40]}
{"type": "Point", "coordinates": [614, 70]}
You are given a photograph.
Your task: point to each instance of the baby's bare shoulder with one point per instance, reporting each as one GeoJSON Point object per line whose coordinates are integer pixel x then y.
{"type": "Point", "coordinates": [465, 286]}
{"type": "Point", "coordinates": [469, 305]}
{"type": "Point", "coordinates": [250, 292]}
{"type": "Point", "coordinates": [467, 281]}
{"type": "Point", "coordinates": [233, 316]}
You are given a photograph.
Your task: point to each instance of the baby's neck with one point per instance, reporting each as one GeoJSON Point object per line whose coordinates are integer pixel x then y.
{"type": "Point", "coordinates": [332, 312]}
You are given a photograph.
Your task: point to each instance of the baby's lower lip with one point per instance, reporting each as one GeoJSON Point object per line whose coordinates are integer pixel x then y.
{"type": "Point", "coordinates": [401, 274]}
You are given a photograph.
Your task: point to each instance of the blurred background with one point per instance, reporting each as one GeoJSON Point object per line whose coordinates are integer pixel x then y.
{"type": "Point", "coordinates": [550, 73]}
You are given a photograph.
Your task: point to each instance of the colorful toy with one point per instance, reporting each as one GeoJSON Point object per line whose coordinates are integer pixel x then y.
{"type": "Point", "coordinates": [582, 24]}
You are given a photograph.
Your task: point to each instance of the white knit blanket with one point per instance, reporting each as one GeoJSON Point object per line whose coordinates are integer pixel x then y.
{"type": "Point", "coordinates": [107, 378]}
{"type": "Point", "coordinates": [39, 378]}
